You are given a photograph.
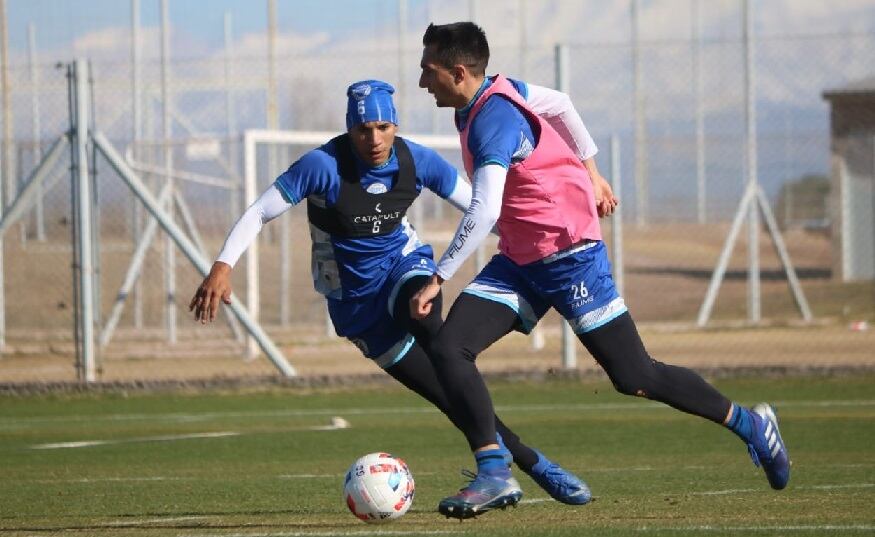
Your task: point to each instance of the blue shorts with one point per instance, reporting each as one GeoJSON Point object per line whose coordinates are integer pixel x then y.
{"type": "Point", "coordinates": [577, 282]}
{"type": "Point", "coordinates": [368, 321]}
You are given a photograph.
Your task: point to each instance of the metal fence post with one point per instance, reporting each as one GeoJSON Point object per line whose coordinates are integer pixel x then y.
{"type": "Point", "coordinates": [562, 73]}
{"type": "Point", "coordinates": [617, 219]}
{"type": "Point", "coordinates": [82, 184]}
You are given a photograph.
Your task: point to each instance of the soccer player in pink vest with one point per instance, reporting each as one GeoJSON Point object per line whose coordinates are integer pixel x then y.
{"type": "Point", "coordinates": [534, 179]}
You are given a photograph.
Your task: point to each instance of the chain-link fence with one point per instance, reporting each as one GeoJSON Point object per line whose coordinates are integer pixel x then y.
{"type": "Point", "coordinates": [676, 107]}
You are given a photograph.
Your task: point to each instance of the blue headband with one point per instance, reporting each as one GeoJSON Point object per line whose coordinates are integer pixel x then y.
{"type": "Point", "coordinates": [370, 100]}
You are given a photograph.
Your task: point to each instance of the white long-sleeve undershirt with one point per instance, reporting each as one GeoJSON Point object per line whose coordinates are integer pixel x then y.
{"type": "Point", "coordinates": [271, 204]}
{"type": "Point", "coordinates": [557, 109]}
{"type": "Point", "coordinates": [267, 207]}
{"type": "Point", "coordinates": [460, 197]}
{"type": "Point", "coordinates": [478, 221]}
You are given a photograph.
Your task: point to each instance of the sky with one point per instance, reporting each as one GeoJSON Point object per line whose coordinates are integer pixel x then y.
{"type": "Point", "coordinates": [100, 27]}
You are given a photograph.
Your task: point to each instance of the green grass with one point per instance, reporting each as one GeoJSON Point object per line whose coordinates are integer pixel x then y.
{"type": "Point", "coordinates": [653, 471]}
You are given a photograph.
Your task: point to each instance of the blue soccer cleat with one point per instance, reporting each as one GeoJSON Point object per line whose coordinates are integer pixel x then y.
{"type": "Point", "coordinates": [767, 448]}
{"type": "Point", "coordinates": [559, 483]}
{"type": "Point", "coordinates": [483, 493]}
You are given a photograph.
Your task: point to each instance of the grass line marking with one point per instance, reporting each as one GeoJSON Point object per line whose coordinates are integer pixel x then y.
{"type": "Point", "coordinates": [724, 492]}
{"type": "Point", "coordinates": [162, 520]}
{"type": "Point", "coordinates": [163, 438]}
{"type": "Point", "coordinates": [107, 479]}
{"type": "Point", "coordinates": [336, 423]}
{"type": "Point", "coordinates": [9, 421]}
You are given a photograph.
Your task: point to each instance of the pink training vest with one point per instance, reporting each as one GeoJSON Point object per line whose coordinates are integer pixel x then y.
{"type": "Point", "coordinates": [548, 203]}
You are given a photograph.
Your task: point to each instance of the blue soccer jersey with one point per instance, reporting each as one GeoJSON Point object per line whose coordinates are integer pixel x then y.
{"type": "Point", "coordinates": [348, 268]}
{"type": "Point", "coordinates": [500, 134]}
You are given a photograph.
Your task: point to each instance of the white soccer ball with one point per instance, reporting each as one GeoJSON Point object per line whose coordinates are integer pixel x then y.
{"type": "Point", "coordinates": [378, 488]}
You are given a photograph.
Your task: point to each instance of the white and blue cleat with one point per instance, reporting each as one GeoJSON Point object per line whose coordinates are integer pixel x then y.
{"type": "Point", "coordinates": [559, 483]}
{"type": "Point", "coordinates": [767, 448]}
{"type": "Point", "coordinates": [483, 493]}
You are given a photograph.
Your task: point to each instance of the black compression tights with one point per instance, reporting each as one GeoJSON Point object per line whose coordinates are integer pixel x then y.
{"type": "Point", "coordinates": [618, 348]}
{"type": "Point", "coordinates": [474, 323]}
{"type": "Point", "coordinates": [416, 372]}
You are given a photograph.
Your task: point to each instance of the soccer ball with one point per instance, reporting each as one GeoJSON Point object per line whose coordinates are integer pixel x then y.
{"type": "Point", "coordinates": [378, 488]}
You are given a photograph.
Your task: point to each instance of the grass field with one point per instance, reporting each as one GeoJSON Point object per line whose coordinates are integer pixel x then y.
{"type": "Point", "coordinates": [264, 463]}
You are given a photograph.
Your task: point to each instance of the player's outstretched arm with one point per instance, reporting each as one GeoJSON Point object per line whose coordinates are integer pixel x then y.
{"type": "Point", "coordinates": [216, 287]}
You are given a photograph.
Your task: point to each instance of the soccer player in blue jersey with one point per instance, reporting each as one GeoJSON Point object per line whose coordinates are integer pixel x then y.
{"type": "Point", "coordinates": [367, 259]}
{"type": "Point", "coordinates": [529, 180]}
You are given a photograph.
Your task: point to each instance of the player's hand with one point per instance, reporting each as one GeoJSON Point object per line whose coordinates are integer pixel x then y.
{"type": "Point", "coordinates": [421, 302]}
{"type": "Point", "coordinates": [216, 287]}
{"type": "Point", "coordinates": [605, 200]}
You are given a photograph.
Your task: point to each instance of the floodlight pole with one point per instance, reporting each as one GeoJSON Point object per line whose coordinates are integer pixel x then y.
{"type": "Point", "coordinates": [169, 251]}
{"type": "Point", "coordinates": [400, 91]}
{"type": "Point", "coordinates": [696, 39]}
{"type": "Point", "coordinates": [642, 186]}
{"type": "Point", "coordinates": [754, 298]}
{"type": "Point", "coordinates": [5, 154]}
{"type": "Point", "coordinates": [136, 135]}
{"type": "Point", "coordinates": [522, 36]}
{"type": "Point", "coordinates": [273, 163]}
{"type": "Point", "coordinates": [230, 114]}
{"type": "Point", "coordinates": [35, 124]}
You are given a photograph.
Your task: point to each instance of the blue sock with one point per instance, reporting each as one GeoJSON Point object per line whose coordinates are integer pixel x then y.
{"type": "Point", "coordinates": [507, 455]}
{"type": "Point", "coordinates": [741, 423]}
{"type": "Point", "coordinates": [492, 461]}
